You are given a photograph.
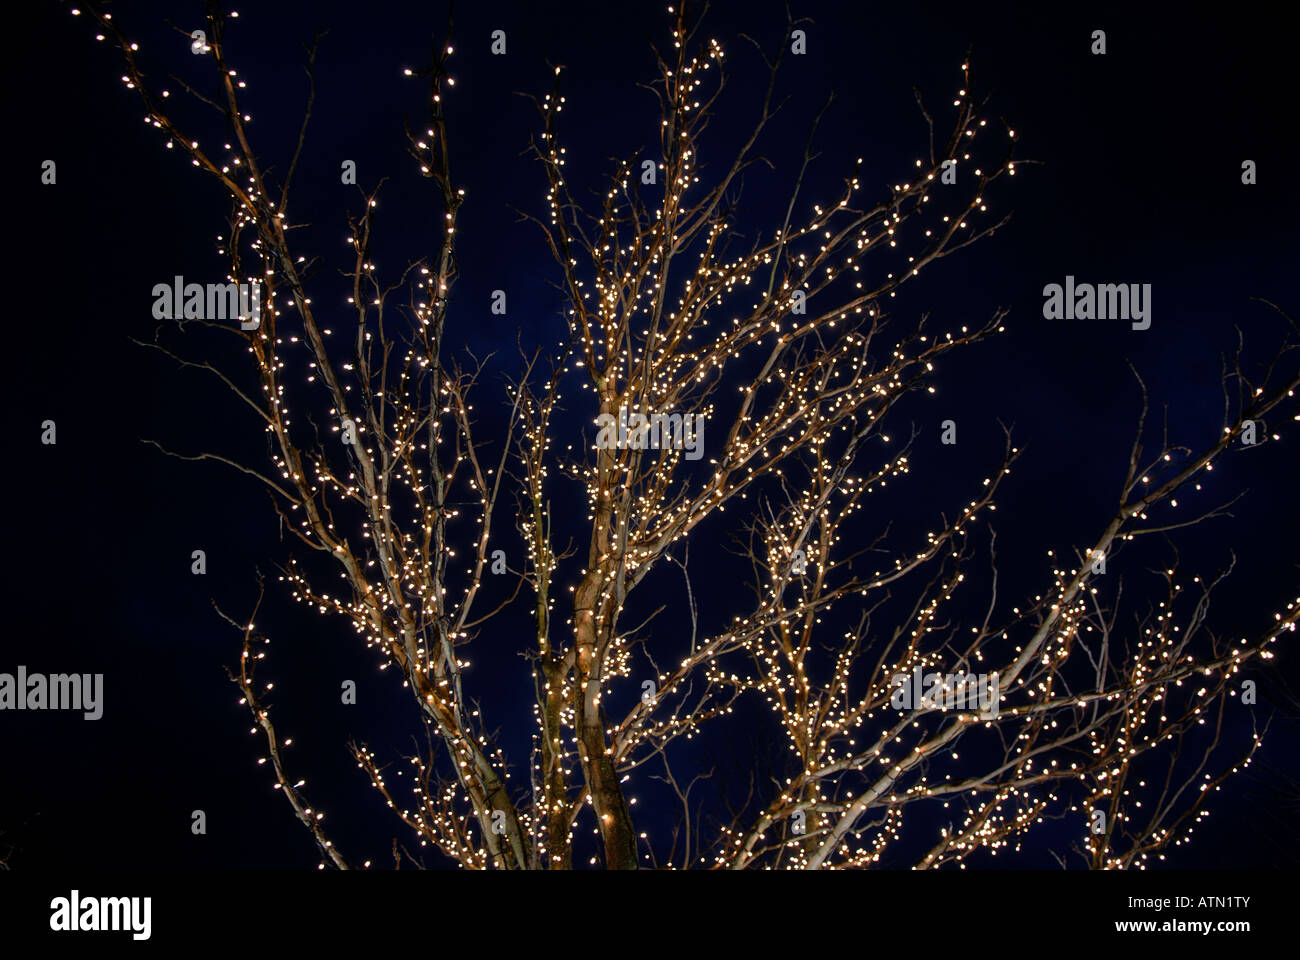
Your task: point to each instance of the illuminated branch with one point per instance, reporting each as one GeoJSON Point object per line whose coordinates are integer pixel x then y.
{"type": "Point", "coordinates": [788, 381]}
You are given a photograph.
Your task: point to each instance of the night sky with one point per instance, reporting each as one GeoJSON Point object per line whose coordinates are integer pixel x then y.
{"type": "Point", "coordinates": [1136, 178]}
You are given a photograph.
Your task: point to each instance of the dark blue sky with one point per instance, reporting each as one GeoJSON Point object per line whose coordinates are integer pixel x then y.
{"type": "Point", "coordinates": [1137, 180]}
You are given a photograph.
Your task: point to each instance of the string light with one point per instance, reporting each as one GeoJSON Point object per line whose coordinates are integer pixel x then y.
{"type": "Point", "coordinates": [785, 354]}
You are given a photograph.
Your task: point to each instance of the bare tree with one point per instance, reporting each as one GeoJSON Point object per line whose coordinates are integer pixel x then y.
{"type": "Point", "coordinates": [782, 349]}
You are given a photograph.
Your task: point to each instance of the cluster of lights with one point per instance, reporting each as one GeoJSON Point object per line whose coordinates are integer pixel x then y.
{"type": "Point", "coordinates": [662, 316]}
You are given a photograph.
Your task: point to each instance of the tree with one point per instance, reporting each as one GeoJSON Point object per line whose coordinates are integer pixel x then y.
{"type": "Point", "coordinates": [870, 673]}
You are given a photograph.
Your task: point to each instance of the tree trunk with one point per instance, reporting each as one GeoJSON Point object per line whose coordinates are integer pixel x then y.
{"type": "Point", "coordinates": [612, 813]}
